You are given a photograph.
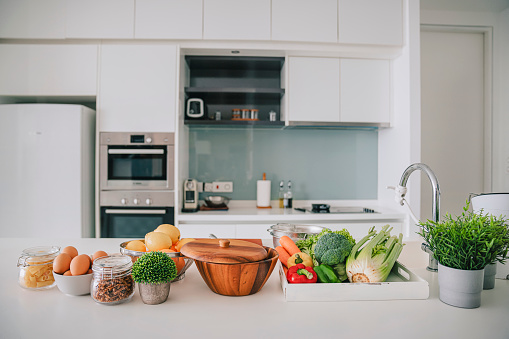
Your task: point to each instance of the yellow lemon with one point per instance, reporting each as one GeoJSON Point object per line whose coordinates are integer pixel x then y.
{"type": "Point", "coordinates": [172, 231]}
{"type": "Point", "coordinates": [182, 242]}
{"type": "Point", "coordinates": [136, 245]}
{"type": "Point", "coordinates": [156, 241]}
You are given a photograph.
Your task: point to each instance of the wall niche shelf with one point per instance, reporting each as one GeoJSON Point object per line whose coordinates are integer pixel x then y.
{"type": "Point", "coordinates": [225, 83]}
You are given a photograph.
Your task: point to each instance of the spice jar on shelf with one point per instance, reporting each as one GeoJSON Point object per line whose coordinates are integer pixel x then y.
{"type": "Point", "coordinates": [236, 113]}
{"type": "Point", "coordinates": [112, 282]}
{"type": "Point", "coordinates": [245, 113]}
{"type": "Point", "coordinates": [36, 267]}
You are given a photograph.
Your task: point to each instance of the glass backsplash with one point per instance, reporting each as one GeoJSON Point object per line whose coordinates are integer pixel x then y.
{"type": "Point", "coordinates": [323, 164]}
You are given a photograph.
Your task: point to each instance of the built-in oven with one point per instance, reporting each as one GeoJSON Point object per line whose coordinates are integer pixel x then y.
{"type": "Point", "coordinates": [136, 161]}
{"type": "Point", "coordinates": [136, 190]}
{"type": "Point", "coordinates": [132, 214]}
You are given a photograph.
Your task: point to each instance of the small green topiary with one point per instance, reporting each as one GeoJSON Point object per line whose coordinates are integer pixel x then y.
{"type": "Point", "coordinates": [154, 268]}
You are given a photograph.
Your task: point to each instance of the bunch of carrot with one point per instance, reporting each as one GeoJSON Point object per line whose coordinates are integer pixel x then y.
{"type": "Point", "coordinates": [286, 250]}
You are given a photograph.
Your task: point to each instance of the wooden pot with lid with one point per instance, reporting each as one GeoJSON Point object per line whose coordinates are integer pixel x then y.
{"type": "Point", "coordinates": [232, 267]}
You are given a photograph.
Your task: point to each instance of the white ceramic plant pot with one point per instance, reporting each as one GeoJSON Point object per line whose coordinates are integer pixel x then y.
{"type": "Point", "coordinates": [460, 288]}
{"type": "Point", "coordinates": [489, 276]}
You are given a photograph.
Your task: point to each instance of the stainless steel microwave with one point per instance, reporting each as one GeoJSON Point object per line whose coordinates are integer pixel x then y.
{"type": "Point", "coordinates": [136, 161]}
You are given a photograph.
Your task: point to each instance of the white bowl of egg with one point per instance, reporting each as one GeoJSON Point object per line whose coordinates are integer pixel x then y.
{"type": "Point", "coordinates": [72, 271]}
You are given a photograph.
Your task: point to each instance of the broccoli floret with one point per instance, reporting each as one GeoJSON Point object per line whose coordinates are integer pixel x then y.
{"type": "Point", "coordinates": [340, 270]}
{"type": "Point", "coordinates": [308, 245]}
{"type": "Point", "coordinates": [332, 249]}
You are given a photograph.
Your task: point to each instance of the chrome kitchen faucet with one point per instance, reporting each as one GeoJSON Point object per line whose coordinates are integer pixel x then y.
{"type": "Point", "coordinates": [433, 264]}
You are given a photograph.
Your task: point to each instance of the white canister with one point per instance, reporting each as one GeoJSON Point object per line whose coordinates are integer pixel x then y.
{"type": "Point", "coordinates": [263, 193]}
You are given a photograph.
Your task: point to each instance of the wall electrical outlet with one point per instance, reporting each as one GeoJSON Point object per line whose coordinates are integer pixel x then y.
{"type": "Point", "coordinates": [222, 186]}
{"type": "Point", "coordinates": [208, 187]}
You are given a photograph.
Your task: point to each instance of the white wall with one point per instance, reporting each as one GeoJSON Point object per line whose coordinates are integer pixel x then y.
{"type": "Point", "coordinates": [399, 146]}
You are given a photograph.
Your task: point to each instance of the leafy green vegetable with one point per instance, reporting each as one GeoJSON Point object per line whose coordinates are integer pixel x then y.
{"type": "Point", "coordinates": [308, 246]}
{"type": "Point", "coordinates": [468, 242]}
{"type": "Point", "coordinates": [374, 261]}
{"type": "Point", "coordinates": [154, 268]}
{"type": "Point", "coordinates": [332, 249]}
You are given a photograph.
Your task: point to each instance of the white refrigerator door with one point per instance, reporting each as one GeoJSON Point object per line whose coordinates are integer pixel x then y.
{"type": "Point", "coordinates": [41, 170]}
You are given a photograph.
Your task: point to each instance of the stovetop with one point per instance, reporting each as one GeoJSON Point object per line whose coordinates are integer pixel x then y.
{"type": "Point", "coordinates": [324, 208]}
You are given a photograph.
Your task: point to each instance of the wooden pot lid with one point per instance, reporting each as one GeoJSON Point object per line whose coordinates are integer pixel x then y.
{"type": "Point", "coordinates": [224, 251]}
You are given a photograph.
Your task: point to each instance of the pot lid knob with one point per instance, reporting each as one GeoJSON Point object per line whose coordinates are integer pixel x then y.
{"type": "Point", "coordinates": [224, 243]}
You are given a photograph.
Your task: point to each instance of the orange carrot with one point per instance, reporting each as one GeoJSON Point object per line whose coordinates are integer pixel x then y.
{"type": "Point", "coordinates": [283, 255]}
{"type": "Point", "coordinates": [288, 245]}
{"type": "Point", "coordinates": [285, 270]}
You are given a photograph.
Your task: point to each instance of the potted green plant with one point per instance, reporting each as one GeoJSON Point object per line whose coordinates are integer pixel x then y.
{"type": "Point", "coordinates": [463, 247]}
{"type": "Point", "coordinates": [154, 272]}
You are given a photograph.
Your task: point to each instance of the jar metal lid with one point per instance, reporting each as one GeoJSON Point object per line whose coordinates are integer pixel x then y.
{"type": "Point", "coordinates": [112, 265]}
{"type": "Point", "coordinates": [38, 255]}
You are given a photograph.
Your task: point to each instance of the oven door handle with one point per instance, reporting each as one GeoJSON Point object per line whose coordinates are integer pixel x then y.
{"type": "Point", "coordinates": [135, 151]}
{"type": "Point", "coordinates": [133, 211]}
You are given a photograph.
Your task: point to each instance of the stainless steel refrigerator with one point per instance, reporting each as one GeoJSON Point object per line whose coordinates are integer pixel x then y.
{"type": "Point", "coordinates": [47, 171]}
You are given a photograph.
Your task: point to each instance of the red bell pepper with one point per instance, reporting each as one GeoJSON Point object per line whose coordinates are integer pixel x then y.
{"type": "Point", "coordinates": [301, 274]}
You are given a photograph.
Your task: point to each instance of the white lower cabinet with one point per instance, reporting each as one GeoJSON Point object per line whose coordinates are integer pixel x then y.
{"type": "Point", "coordinates": [360, 229]}
{"type": "Point", "coordinates": [338, 90]}
{"type": "Point", "coordinates": [205, 230]}
{"type": "Point", "coordinates": [137, 88]}
{"type": "Point", "coordinates": [253, 231]}
{"type": "Point", "coordinates": [48, 70]}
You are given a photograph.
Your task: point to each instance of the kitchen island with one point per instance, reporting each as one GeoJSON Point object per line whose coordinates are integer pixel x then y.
{"type": "Point", "coordinates": [193, 311]}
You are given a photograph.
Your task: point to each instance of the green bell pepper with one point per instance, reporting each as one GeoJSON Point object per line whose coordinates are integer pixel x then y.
{"type": "Point", "coordinates": [326, 274]}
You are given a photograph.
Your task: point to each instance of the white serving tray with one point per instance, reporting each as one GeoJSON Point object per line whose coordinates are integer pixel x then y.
{"type": "Point", "coordinates": [401, 284]}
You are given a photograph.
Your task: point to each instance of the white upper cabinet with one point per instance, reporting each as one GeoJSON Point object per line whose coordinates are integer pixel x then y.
{"type": "Point", "coordinates": [377, 22]}
{"type": "Point", "coordinates": [333, 90]}
{"type": "Point", "coordinates": [32, 19]}
{"type": "Point", "coordinates": [169, 19]}
{"type": "Point", "coordinates": [313, 89]}
{"type": "Point", "coordinates": [100, 19]}
{"type": "Point", "coordinates": [48, 70]}
{"type": "Point", "coordinates": [365, 91]}
{"type": "Point", "coordinates": [305, 20]}
{"type": "Point", "coordinates": [137, 88]}
{"type": "Point", "coordinates": [236, 19]}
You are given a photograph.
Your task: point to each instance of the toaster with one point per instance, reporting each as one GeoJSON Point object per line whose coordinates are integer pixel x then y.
{"type": "Point", "coordinates": [195, 108]}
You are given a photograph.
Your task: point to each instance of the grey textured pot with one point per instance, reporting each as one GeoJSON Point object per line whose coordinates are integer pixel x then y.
{"type": "Point", "coordinates": [489, 276]}
{"type": "Point", "coordinates": [460, 288]}
{"type": "Point", "coordinates": [153, 294]}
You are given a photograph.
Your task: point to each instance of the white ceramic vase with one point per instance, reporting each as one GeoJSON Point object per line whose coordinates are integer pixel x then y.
{"type": "Point", "coordinates": [460, 288]}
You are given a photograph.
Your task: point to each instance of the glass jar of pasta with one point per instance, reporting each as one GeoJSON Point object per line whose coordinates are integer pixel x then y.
{"type": "Point", "coordinates": [36, 267]}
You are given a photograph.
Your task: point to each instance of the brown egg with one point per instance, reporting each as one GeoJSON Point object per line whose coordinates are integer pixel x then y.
{"type": "Point", "coordinates": [80, 264]}
{"type": "Point", "coordinates": [67, 273]}
{"type": "Point", "coordinates": [99, 254]}
{"type": "Point", "coordinates": [72, 251]}
{"type": "Point", "coordinates": [62, 263]}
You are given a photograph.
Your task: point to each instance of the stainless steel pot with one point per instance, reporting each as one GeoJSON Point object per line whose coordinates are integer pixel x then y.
{"type": "Point", "coordinates": [294, 232]}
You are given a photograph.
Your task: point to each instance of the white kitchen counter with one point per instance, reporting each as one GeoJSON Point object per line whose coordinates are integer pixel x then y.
{"type": "Point", "coordinates": [193, 311]}
{"type": "Point", "coordinates": [246, 211]}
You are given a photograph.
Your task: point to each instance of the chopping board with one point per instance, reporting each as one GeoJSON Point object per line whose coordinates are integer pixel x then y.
{"type": "Point", "coordinates": [224, 251]}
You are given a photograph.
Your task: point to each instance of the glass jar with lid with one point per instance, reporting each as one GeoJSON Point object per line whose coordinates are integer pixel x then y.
{"type": "Point", "coordinates": [36, 267]}
{"type": "Point", "coordinates": [112, 282]}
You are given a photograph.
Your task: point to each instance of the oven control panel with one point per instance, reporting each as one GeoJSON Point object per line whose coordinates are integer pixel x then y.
{"type": "Point", "coordinates": [137, 198]}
